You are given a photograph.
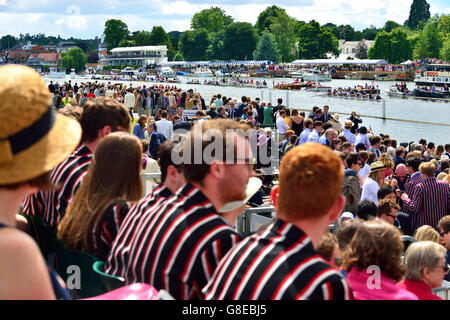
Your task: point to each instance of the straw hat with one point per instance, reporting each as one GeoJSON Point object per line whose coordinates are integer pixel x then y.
{"type": "Point", "coordinates": [377, 165]}
{"type": "Point", "coordinates": [253, 186]}
{"type": "Point", "coordinates": [348, 123]}
{"type": "Point", "coordinates": [335, 116]}
{"type": "Point", "coordinates": [33, 138]}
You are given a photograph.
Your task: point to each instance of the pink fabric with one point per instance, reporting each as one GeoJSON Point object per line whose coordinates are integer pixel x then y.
{"type": "Point", "coordinates": [137, 291]}
{"type": "Point", "coordinates": [388, 290]}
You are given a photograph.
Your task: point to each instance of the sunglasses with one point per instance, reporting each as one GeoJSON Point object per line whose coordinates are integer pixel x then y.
{"type": "Point", "coordinates": [392, 216]}
{"type": "Point", "coordinates": [443, 233]}
{"type": "Point", "coordinates": [445, 267]}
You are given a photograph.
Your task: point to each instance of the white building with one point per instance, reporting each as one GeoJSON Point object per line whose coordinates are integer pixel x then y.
{"type": "Point", "coordinates": [348, 48]}
{"type": "Point", "coordinates": [137, 56]}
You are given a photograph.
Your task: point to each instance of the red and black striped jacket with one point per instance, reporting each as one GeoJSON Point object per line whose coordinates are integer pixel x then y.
{"type": "Point", "coordinates": [177, 244]}
{"type": "Point", "coordinates": [278, 264]}
{"type": "Point", "coordinates": [67, 176]}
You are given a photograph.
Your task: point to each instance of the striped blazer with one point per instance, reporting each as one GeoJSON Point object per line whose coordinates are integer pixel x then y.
{"type": "Point", "coordinates": [68, 176]}
{"type": "Point", "coordinates": [278, 264]}
{"type": "Point", "coordinates": [429, 202]}
{"type": "Point", "coordinates": [178, 243]}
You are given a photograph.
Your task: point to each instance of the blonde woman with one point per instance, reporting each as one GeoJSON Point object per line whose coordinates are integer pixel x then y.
{"type": "Point", "coordinates": [426, 268]}
{"type": "Point", "coordinates": [388, 164]}
{"type": "Point", "coordinates": [427, 233]}
{"type": "Point", "coordinates": [373, 182]}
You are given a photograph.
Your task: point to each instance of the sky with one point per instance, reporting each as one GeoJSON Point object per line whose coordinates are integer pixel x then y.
{"type": "Point", "coordinates": [85, 19]}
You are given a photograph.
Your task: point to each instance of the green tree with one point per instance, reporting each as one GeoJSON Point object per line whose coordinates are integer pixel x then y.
{"type": "Point", "coordinates": [382, 47]}
{"type": "Point", "coordinates": [445, 51]}
{"type": "Point", "coordinates": [193, 44]}
{"type": "Point", "coordinates": [333, 28]}
{"type": "Point", "coordinates": [143, 38]}
{"type": "Point", "coordinates": [266, 48]}
{"type": "Point", "coordinates": [347, 33]}
{"type": "Point", "coordinates": [174, 37]}
{"type": "Point", "coordinates": [239, 41]}
{"type": "Point", "coordinates": [370, 33]}
{"type": "Point", "coordinates": [115, 31]}
{"type": "Point", "coordinates": [75, 58]}
{"type": "Point", "coordinates": [283, 29]}
{"type": "Point", "coordinates": [8, 41]}
{"type": "Point", "coordinates": [400, 49]}
{"type": "Point", "coordinates": [127, 43]}
{"type": "Point", "coordinates": [213, 19]}
{"type": "Point", "coordinates": [430, 42]}
{"type": "Point", "coordinates": [444, 25]}
{"type": "Point", "coordinates": [158, 36]}
{"type": "Point", "coordinates": [419, 11]}
{"type": "Point", "coordinates": [215, 49]}
{"type": "Point", "coordinates": [390, 25]}
{"type": "Point", "coordinates": [265, 18]}
{"type": "Point", "coordinates": [315, 41]}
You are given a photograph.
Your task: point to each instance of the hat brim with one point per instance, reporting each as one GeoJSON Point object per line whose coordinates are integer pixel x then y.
{"type": "Point", "coordinates": [253, 186]}
{"type": "Point", "coordinates": [45, 154]}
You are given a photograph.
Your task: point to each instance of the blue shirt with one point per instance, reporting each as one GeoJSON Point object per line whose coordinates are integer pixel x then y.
{"type": "Point", "coordinates": [138, 131]}
{"type": "Point", "coordinates": [313, 136]}
{"type": "Point", "coordinates": [349, 136]}
{"type": "Point", "coordinates": [323, 140]}
{"type": "Point", "coordinates": [304, 136]}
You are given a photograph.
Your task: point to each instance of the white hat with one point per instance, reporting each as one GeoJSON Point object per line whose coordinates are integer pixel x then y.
{"type": "Point", "coordinates": [347, 215]}
{"type": "Point", "coordinates": [253, 186]}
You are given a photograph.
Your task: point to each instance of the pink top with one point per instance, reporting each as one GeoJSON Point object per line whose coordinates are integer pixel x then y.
{"type": "Point", "coordinates": [366, 286]}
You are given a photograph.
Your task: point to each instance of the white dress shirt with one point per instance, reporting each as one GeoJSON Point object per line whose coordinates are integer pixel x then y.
{"type": "Point", "coordinates": [165, 127]}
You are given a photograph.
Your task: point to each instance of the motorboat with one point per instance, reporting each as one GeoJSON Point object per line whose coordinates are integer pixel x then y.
{"type": "Point", "coordinates": [202, 72]}
{"type": "Point", "coordinates": [385, 77]}
{"type": "Point", "coordinates": [353, 76]}
{"type": "Point", "coordinates": [296, 74]}
{"type": "Point", "coordinates": [394, 91]}
{"type": "Point", "coordinates": [437, 94]}
{"type": "Point", "coordinates": [316, 75]}
{"type": "Point", "coordinates": [167, 72]}
{"type": "Point", "coordinates": [434, 74]}
{"type": "Point", "coordinates": [57, 72]}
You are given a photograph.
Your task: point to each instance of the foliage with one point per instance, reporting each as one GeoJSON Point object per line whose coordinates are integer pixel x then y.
{"type": "Point", "coordinates": [445, 51]}
{"type": "Point", "coordinates": [265, 18]}
{"type": "Point", "coordinates": [8, 41]}
{"type": "Point", "coordinates": [174, 37]}
{"type": "Point", "coordinates": [239, 41]}
{"type": "Point", "coordinates": [194, 43]}
{"type": "Point", "coordinates": [400, 48]}
{"type": "Point", "coordinates": [429, 43]}
{"type": "Point", "coordinates": [419, 11]}
{"type": "Point", "coordinates": [115, 31]}
{"type": "Point", "coordinates": [382, 47]}
{"type": "Point", "coordinates": [74, 58]}
{"type": "Point", "coordinates": [213, 20]}
{"type": "Point", "coordinates": [316, 41]}
{"type": "Point", "coordinates": [283, 30]}
{"type": "Point", "coordinates": [178, 57]}
{"type": "Point", "coordinates": [390, 25]}
{"type": "Point", "coordinates": [267, 49]}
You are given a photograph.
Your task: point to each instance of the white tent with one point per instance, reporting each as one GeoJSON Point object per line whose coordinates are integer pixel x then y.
{"type": "Point", "coordinates": [407, 62]}
{"type": "Point", "coordinates": [339, 61]}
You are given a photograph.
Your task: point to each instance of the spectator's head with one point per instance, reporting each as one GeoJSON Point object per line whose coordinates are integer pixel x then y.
{"type": "Point", "coordinates": [375, 141]}
{"type": "Point", "coordinates": [366, 210]}
{"type": "Point", "coordinates": [142, 121]}
{"type": "Point", "coordinates": [226, 161]}
{"type": "Point", "coordinates": [353, 162]}
{"type": "Point", "coordinates": [345, 233]}
{"type": "Point", "coordinates": [102, 116]}
{"type": "Point", "coordinates": [163, 114]}
{"type": "Point", "coordinates": [444, 231]}
{"type": "Point", "coordinates": [348, 124]}
{"type": "Point", "coordinates": [412, 164]}
{"type": "Point", "coordinates": [328, 247]}
{"type": "Point", "coordinates": [33, 138]}
{"type": "Point", "coordinates": [427, 169]}
{"type": "Point", "coordinates": [346, 148]}
{"type": "Point", "coordinates": [309, 123]}
{"type": "Point", "coordinates": [387, 210]}
{"type": "Point", "coordinates": [363, 130]}
{"type": "Point", "coordinates": [376, 243]}
{"type": "Point", "coordinates": [425, 261]}
{"type": "Point", "coordinates": [400, 152]}
{"type": "Point", "coordinates": [386, 192]}
{"type": "Point", "coordinates": [171, 175]}
{"type": "Point", "coordinates": [360, 147]}
{"type": "Point", "coordinates": [316, 170]}
{"type": "Point", "coordinates": [426, 233]}
{"type": "Point", "coordinates": [447, 148]}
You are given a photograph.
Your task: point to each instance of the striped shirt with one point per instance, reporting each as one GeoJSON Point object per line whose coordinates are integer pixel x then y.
{"type": "Point", "coordinates": [414, 180]}
{"type": "Point", "coordinates": [278, 264]}
{"type": "Point", "coordinates": [178, 244]}
{"type": "Point", "coordinates": [68, 175]}
{"type": "Point", "coordinates": [104, 234]}
{"type": "Point", "coordinates": [117, 262]}
{"type": "Point", "coordinates": [430, 201]}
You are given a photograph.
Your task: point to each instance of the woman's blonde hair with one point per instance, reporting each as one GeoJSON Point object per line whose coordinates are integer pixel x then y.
{"type": "Point", "coordinates": [421, 255]}
{"type": "Point", "coordinates": [427, 233]}
{"type": "Point", "coordinates": [387, 161]}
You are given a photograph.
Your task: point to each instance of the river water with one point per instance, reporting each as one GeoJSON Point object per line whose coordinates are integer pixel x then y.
{"type": "Point", "coordinates": [406, 119]}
